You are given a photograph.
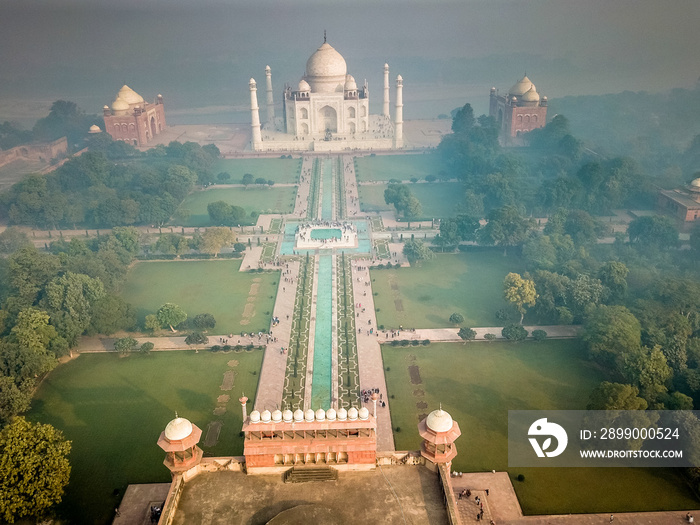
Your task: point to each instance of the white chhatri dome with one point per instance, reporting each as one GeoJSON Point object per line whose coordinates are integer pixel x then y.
{"type": "Point", "coordinates": [363, 414]}
{"type": "Point", "coordinates": [350, 83]}
{"type": "Point", "coordinates": [439, 421]}
{"type": "Point", "coordinates": [522, 87]}
{"type": "Point", "coordinates": [179, 428]}
{"type": "Point", "coordinates": [277, 416]}
{"type": "Point", "coordinates": [287, 416]}
{"type": "Point", "coordinates": [95, 129]}
{"type": "Point", "coordinates": [694, 185]}
{"type": "Point", "coordinates": [304, 85]}
{"type": "Point", "coordinates": [320, 415]}
{"type": "Point", "coordinates": [330, 415]}
{"type": "Point", "coordinates": [342, 414]}
{"type": "Point", "coordinates": [255, 416]}
{"type": "Point", "coordinates": [298, 415]}
{"type": "Point", "coordinates": [352, 414]}
{"type": "Point", "coordinates": [266, 416]}
{"type": "Point", "coordinates": [309, 415]}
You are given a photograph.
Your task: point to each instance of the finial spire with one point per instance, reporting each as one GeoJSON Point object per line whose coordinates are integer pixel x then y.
{"type": "Point", "coordinates": [324, 36]}
{"type": "Point", "coordinates": [176, 416]}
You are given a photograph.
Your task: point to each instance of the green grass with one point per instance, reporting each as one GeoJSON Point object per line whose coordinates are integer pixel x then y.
{"type": "Point", "coordinates": [467, 283]}
{"type": "Point", "coordinates": [113, 410]}
{"type": "Point", "coordinates": [438, 199]}
{"type": "Point", "coordinates": [215, 287]}
{"type": "Point", "coordinates": [400, 167]}
{"type": "Point", "coordinates": [282, 171]}
{"type": "Point", "coordinates": [478, 383]}
{"type": "Point", "coordinates": [253, 199]}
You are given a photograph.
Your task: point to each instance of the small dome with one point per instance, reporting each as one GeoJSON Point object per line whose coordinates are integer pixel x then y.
{"type": "Point", "coordinates": [120, 104]}
{"type": "Point", "coordinates": [350, 83]}
{"type": "Point", "coordinates": [255, 416]}
{"type": "Point", "coordinates": [298, 415]}
{"type": "Point", "coordinates": [94, 129]}
{"type": "Point", "coordinates": [105, 106]}
{"type": "Point", "coordinates": [531, 95]}
{"type": "Point", "coordinates": [304, 85]}
{"type": "Point", "coordinates": [399, 78]}
{"type": "Point", "coordinates": [694, 185]}
{"type": "Point", "coordinates": [439, 421]}
{"type": "Point", "coordinates": [129, 95]}
{"type": "Point", "coordinates": [287, 416]}
{"type": "Point", "coordinates": [265, 417]}
{"type": "Point", "coordinates": [342, 414]}
{"type": "Point", "coordinates": [267, 68]}
{"type": "Point", "coordinates": [320, 415]}
{"type": "Point", "coordinates": [330, 415]}
{"type": "Point", "coordinates": [251, 82]}
{"type": "Point", "coordinates": [363, 414]}
{"type": "Point", "coordinates": [352, 414]}
{"type": "Point", "coordinates": [178, 429]}
{"type": "Point", "coordinates": [544, 98]}
{"type": "Point", "coordinates": [277, 416]}
{"type": "Point", "coordinates": [309, 415]}
{"type": "Point", "coordinates": [521, 87]}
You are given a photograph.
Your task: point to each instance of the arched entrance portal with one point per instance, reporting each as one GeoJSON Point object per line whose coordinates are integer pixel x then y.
{"type": "Point", "coordinates": [153, 127]}
{"type": "Point", "coordinates": [329, 118]}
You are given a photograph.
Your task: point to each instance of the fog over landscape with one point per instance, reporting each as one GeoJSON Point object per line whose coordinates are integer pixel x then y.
{"type": "Point", "coordinates": [200, 55]}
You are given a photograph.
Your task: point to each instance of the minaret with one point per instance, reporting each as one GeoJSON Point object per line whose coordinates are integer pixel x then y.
{"type": "Point", "coordinates": [385, 109]}
{"type": "Point", "coordinates": [398, 123]}
{"type": "Point", "coordinates": [270, 104]}
{"type": "Point", "coordinates": [374, 397]}
{"type": "Point", "coordinates": [255, 116]}
{"type": "Point", "coordinates": [243, 400]}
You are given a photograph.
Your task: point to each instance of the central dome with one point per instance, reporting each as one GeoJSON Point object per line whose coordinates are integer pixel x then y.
{"type": "Point", "coordinates": [522, 87]}
{"type": "Point", "coordinates": [326, 70]}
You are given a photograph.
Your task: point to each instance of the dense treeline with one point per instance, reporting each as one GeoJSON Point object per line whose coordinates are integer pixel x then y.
{"type": "Point", "coordinates": [50, 299]}
{"type": "Point", "coordinates": [656, 129]}
{"type": "Point", "coordinates": [93, 191]}
{"type": "Point", "coordinates": [638, 297]}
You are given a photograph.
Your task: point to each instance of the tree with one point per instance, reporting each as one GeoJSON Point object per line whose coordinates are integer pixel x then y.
{"type": "Point", "coordinates": [456, 318]}
{"type": "Point", "coordinates": [12, 239]}
{"type": "Point", "coordinates": [647, 368]}
{"type": "Point", "coordinates": [35, 468]}
{"type": "Point", "coordinates": [69, 300]}
{"type": "Point", "coordinates": [613, 274]}
{"type": "Point", "coordinates": [110, 314]}
{"type": "Point", "coordinates": [611, 332]}
{"type": "Point", "coordinates": [222, 213]}
{"type": "Point", "coordinates": [204, 322]}
{"type": "Point", "coordinates": [403, 200]}
{"type": "Point", "coordinates": [146, 347]}
{"type": "Point", "coordinates": [467, 334]}
{"type": "Point", "coordinates": [417, 250]}
{"type": "Point", "coordinates": [514, 332]}
{"type": "Point", "coordinates": [539, 335]}
{"type": "Point", "coordinates": [695, 238]}
{"type": "Point", "coordinates": [64, 119]}
{"type": "Point", "coordinates": [520, 292]}
{"type": "Point", "coordinates": [223, 177]}
{"type": "Point", "coordinates": [463, 120]}
{"type": "Point", "coordinates": [14, 398]}
{"type": "Point", "coordinates": [196, 338]}
{"type": "Point", "coordinates": [171, 315]}
{"type": "Point", "coordinates": [247, 179]}
{"type": "Point", "coordinates": [124, 345]}
{"type": "Point", "coordinates": [152, 323]}
{"type": "Point", "coordinates": [261, 181]}
{"type": "Point", "coordinates": [653, 231]}
{"type": "Point", "coordinates": [506, 227]}
{"type": "Point", "coordinates": [214, 239]}
{"type": "Point", "coordinates": [615, 396]}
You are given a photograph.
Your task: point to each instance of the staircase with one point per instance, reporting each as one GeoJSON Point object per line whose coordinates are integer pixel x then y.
{"type": "Point", "coordinates": [304, 474]}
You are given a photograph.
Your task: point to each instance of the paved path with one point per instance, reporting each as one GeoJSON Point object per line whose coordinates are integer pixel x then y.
{"type": "Point", "coordinates": [369, 352]}
{"type": "Point", "coordinates": [302, 199]}
{"type": "Point", "coordinates": [352, 198]}
{"type": "Point", "coordinates": [504, 509]}
{"type": "Point", "coordinates": [450, 334]}
{"type": "Point", "coordinates": [271, 384]}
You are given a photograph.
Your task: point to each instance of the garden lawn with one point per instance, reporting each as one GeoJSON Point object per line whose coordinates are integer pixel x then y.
{"type": "Point", "coordinates": [438, 199]}
{"type": "Point", "coordinates": [400, 167]}
{"type": "Point", "coordinates": [478, 383]}
{"type": "Point", "coordinates": [278, 199]}
{"type": "Point", "coordinates": [282, 171]}
{"type": "Point", "coordinates": [425, 295]}
{"type": "Point", "coordinates": [215, 287]}
{"type": "Point", "coordinates": [114, 409]}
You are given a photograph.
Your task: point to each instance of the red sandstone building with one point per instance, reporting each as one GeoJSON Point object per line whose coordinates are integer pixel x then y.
{"type": "Point", "coordinates": [519, 111]}
{"type": "Point", "coordinates": [682, 203]}
{"type": "Point", "coordinates": [132, 119]}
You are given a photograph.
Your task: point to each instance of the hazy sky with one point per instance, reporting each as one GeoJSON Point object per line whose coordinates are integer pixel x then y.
{"type": "Point", "coordinates": [201, 54]}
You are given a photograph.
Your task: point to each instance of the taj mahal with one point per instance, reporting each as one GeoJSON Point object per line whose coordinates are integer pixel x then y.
{"type": "Point", "coordinates": [326, 111]}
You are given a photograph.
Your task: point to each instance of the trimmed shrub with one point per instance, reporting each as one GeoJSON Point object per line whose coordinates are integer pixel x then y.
{"type": "Point", "coordinates": [514, 332]}
{"type": "Point", "coordinates": [539, 335]}
{"type": "Point", "coordinates": [490, 337]}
